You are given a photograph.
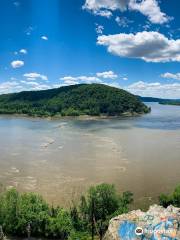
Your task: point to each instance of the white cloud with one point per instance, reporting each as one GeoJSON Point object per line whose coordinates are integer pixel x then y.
{"type": "Point", "coordinates": [103, 13]}
{"type": "Point", "coordinates": [123, 21]}
{"type": "Point", "coordinates": [149, 8]}
{"type": "Point", "coordinates": [125, 78]}
{"type": "Point", "coordinates": [70, 82]}
{"type": "Point", "coordinates": [99, 29]}
{"type": "Point", "coordinates": [41, 87]}
{"type": "Point", "coordinates": [155, 89]}
{"type": "Point", "coordinates": [30, 83]}
{"type": "Point", "coordinates": [98, 7]}
{"type": "Point", "coordinates": [9, 86]}
{"type": "Point", "coordinates": [89, 79]}
{"type": "Point", "coordinates": [148, 46]}
{"type": "Point", "coordinates": [79, 79]}
{"type": "Point", "coordinates": [17, 64]}
{"type": "Point", "coordinates": [168, 75]}
{"type": "Point", "coordinates": [34, 76]}
{"type": "Point", "coordinates": [107, 75]}
{"type": "Point", "coordinates": [44, 38]}
{"type": "Point", "coordinates": [23, 51]}
{"type": "Point", "coordinates": [58, 85]}
{"type": "Point", "coordinates": [35, 86]}
{"type": "Point", "coordinates": [69, 78]}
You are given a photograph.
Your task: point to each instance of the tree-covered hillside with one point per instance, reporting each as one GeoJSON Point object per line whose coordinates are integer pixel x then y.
{"type": "Point", "coordinates": [82, 99]}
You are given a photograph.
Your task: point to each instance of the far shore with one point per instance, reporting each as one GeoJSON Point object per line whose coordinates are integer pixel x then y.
{"type": "Point", "coordinates": [80, 117]}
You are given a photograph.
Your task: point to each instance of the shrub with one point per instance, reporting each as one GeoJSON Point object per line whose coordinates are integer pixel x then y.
{"type": "Point", "coordinates": [171, 199]}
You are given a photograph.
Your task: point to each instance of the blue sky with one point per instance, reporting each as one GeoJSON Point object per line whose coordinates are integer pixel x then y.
{"type": "Point", "coordinates": [131, 44]}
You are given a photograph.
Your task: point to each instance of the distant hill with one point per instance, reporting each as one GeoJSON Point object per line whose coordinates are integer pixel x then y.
{"type": "Point", "coordinates": [150, 99]}
{"type": "Point", "coordinates": [82, 99]}
{"type": "Point", "coordinates": [161, 100]}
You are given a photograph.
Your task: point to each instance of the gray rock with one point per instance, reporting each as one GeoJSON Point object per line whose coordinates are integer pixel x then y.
{"type": "Point", "coordinates": [157, 223]}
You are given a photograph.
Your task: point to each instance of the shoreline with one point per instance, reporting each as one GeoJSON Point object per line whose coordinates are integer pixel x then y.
{"type": "Point", "coordinates": [80, 117]}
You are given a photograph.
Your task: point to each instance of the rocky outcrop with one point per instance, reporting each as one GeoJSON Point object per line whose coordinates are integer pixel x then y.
{"type": "Point", "coordinates": [157, 223]}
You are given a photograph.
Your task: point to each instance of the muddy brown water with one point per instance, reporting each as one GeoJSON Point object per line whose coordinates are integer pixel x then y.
{"type": "Point", "coordinates": [61, 158]}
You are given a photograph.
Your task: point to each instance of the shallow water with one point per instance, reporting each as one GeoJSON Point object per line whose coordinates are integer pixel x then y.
{"type": "Point", "coordinates": [60, 159]}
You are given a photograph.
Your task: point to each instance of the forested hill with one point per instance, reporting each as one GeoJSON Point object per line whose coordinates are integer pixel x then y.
{"type": "Point", "coordinates": [82, 99]}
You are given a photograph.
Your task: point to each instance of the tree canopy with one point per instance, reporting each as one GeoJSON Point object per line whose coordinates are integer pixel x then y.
{"type": "Point", "coordinates": [82, 99]}
{"type": "Point", "coordinates": [171, 199]}
{"type": "Point", "coordinates": [28, 213]}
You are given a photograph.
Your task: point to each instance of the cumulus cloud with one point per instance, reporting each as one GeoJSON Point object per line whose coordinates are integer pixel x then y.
{"type": "Point", "coordinates": [35, 86]}
{"type": "Point", "coordinates": [168, 75]}
{"type": "Point", "coordinates": [70, 82]}
{"type": "Point", "coordinates": [149, 8]}
{"type": "Point", "coordinates": [68, 78]}
{"type": "Point", "coordinates": [99, 6]}
{"type": "Point", "coordinates": [89, 79]}
{"type": "Point", "coordinates": [79, 79]}
{"type": "Point", "coordinates": [17, 64]}
{"type": "Point", "coordinates": [23, 51]}
{"type": "Point", "coordinates": [10, 86]}
{"type": "Point", "coordinates": [103, 13]}
{"type": "Point", "coordinates": [108, 74]}
{"type": "Point", "coordinates": [97, 78]}
{"type": "Point", "coordinates": [44, 38]}
{"type": "Point", "coordinates": [148, 46]}
{"type": "Point", "coordinates": [155, 89]}
{"type": "Point", "coordinates": [34, 76]}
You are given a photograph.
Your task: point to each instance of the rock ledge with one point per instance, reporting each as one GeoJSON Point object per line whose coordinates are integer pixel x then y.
{"type": "Point", "coordinates": [156, 223]}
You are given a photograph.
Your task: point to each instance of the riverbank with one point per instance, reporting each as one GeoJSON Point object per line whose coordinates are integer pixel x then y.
{"type": "Point", "coordinates": [80, 117]}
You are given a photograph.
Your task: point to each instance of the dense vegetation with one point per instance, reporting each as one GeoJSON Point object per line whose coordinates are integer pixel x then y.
{"type": "Point", "coordinates": [160, 100]}
{"type": "Point", "coordinates": [21, 214]}
{"type": "Point", "coordinates": [177, 103]}
{"type": "Point", "coordinates": [28, 214]}
{"type": "Point", "coordinates": [82, 99]}
{"type": "Point", "coordinates": [171, 199]}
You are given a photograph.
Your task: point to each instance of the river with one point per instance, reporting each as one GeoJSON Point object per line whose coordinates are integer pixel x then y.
{"type": "Point", "coordinates": [61, 158]}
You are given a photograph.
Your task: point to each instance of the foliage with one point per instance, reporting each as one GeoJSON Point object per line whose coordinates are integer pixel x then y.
{"type": "Point", "coordinates": [88, 217]}
{"type": "Point", "coordinates": [20, 213]}
{"type": "Point", "coordinates": [99, 205]}
{"type": "Point", "coordinates": [170, 102]}
{"type": "Point", "coordinates": [171, 199]}
{"type": "Point", "coordinates": [88, 99]}
{"type": "Point", "coordinates": [17, 211]}
{"type": "Point", "coordinates": [59, 225]}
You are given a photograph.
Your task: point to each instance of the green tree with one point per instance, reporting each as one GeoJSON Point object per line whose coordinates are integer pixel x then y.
{"type": "Point", "coordinates": [91, 99]}
{"type": "Point", "coordinates": [171, 199]}
{"type": "Point", "coordinates": [9, 207]}
{"type": "Point", "coordinates": [32, 210]}
{"type": "Point", "coordinates": [59, 225]}
{"type": "Point", "coordinates": [100, 204]}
